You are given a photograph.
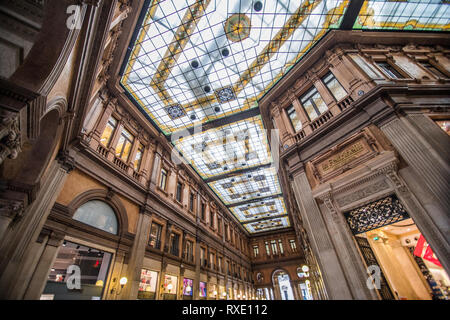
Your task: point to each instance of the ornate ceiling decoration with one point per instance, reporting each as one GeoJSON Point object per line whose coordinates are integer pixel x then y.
{"type": "Point", "coordinates": [207, 63]}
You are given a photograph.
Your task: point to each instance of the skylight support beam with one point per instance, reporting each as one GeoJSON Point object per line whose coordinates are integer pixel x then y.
{"type": "Point", "coordinates": [217, 123]}
{"type": "Point", "coordinates": [237, 172]}
{"type": "Point", "coordinates": [265, 218]}
{"type": "Point", "coordinates": [254, 200]}
{"type": "Point", "coordinates": [351, 14]}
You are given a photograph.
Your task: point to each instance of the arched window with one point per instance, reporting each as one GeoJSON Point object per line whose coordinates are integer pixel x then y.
{"type": "Point", "coordinates": [97, 214]}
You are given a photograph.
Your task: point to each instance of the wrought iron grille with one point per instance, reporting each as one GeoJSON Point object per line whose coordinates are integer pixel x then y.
{"type": "Point", "coordinates": [369, 257]}
{"type": "Point", "coordinates": [376, 215]}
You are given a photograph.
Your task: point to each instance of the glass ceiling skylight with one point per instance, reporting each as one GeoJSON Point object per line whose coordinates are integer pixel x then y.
{"type": "Point", "coordinates": [196, 62]}
{"type": "Point", "coordinates": [239, 145]}
{"type": "Point", "coordinates": [259, 209]}
{"type": "Point", "coordinates": [407, 15]}
{"type": "Point", "coordinates": [259, 183]}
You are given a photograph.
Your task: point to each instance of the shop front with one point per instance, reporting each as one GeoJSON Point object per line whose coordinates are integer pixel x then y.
{"type": "Point", "coordinates": [403, 263]}
{"type": "Point", "coordinates": [78, 273]}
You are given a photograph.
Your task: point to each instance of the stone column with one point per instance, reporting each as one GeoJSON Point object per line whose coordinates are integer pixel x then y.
{"type": "Point", "coordinates": [345, 247]}
{"type": "Point", "coordinates": [332, 271]}
{"type": "Point", "coordinates": [428, 174]}
{"type": "Point", "coordinates": [294, 287]}
{"type": "Point", "coordinates": [21, 239]}
{"type": "Point", "coordinates": [431, 221]}
{"type": "Point", "coordinates": [118, 268]}
{"type": "Point", "coordinates": [155, 170]}
{"type": "Point", "coordinates": [196, 282]}
{"type": "Point", "coordinates": [40, 275]}
{"type": "Point", "coordinates": [417, 150]}
{"type": "Point", "coordinates": [137, 254]}
{"type": "Point", "coordinates": [161, 279]}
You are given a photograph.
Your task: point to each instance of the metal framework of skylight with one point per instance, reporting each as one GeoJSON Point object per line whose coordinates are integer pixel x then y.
{"type": "Point", "coordinates": [198, 68]}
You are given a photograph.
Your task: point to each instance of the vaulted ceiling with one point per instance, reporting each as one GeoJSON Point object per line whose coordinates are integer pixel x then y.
{"type": "Point", "coordinates": [197, 70]}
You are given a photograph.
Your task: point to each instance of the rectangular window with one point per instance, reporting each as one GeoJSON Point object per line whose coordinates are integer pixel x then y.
{"type": "Point", "coordinates": [255, 251]}
{"type": "Point", "coordinates": [219, 225]}
{"type": "Point", "coordinates": [155, 236]}
{"type": "Point", "coordinates": [191, 201]}
{"type": "Point", "coordinates": [179, 191]}
{"type": "Point", "coordinates": [438, 73]}
{"type": "Point", "coordinates": [267, 248]}
{"type": "Point", "coordinates": [295, 121]}
{"type": "Point", "coordinates": [189, 251]}
{"type": "Point", "coordinates": [388, 69]}
{"type": "Point", "coordinates": [226, 232]}
{"type": "Point", "coordinates": [280, 244]}
{"type": "Point", "coordinates": [211, 219]}
{"type": "Point", "coordinates": [293, 245]}
{"type": "Point", "coordinates": [334, 86]}
{"type": "Point", "coordinates": [163, 180]}
{"type": "Point", "coordinates": [220, 264]}
{"type": "Point", "coordinates": [273, 243]}
{"type": "Point", "coordinates": [203, 211]}
{"type": "Point", "coordinates": [138, 157]}
{"type": "Point", "coordinates": [124, 145]}
{"type": "Point", "coordinates": [174, 244]}
{"type": "Point", "coordinates": [108, 132]}
{"type": "Point", "coordinates": [202, 256]}
{"type": "Point", "coordinates": [313, 103]}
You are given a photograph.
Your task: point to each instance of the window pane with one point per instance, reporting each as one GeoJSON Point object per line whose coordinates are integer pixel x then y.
{"type": "Point", "coordinates": [308, 106]}
{"type": "Point", "coordinates": [97, 214]}
{"type": "Point", "coordinates": [320, 104]}
{"type": "Point", "coordinates": [126, 151]}
{"type": "Point", "coordinates": [108, 132]}
{"type": "Point", "coordinates": [334, 86]}
{"type": "Point", "coordinates": [119, 146]}
{"type": "Point", "coordinates": [295, 121]}
{"type": "Point", "coordinates": [93, 265]}
{"type": "Point", "coordinates": [390, 70]}
{"type": "Point", "coordinates": [162, 184]}
{"type": "Point", "coordinates": [138, 158]}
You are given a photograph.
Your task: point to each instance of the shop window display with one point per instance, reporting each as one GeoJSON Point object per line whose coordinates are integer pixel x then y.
{"type": "Point", "coordinates": [147, 285]}
{"type": "Point", "coordinates": [78, 273]}
{"type": "Point", "coordinates": [170, 287]}
{"type": "Point", "coordinates": [187, 288]}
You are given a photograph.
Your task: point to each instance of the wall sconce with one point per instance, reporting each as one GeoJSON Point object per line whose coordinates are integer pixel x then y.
{"type": "Point", "coordinates": [123, 281]}
{"type": "Point", "coordinates": [243, 297]}
{"type": "Point", "coordinates": [169, 287]}
{"type": "Point", "coordinates": [215, 293]}
{"type": "Point", "coordinates": [238, 296]}
{"type": "Point", "coordinates": [188, 289]}
{"type": "Point", "coordinates": [224, 294]}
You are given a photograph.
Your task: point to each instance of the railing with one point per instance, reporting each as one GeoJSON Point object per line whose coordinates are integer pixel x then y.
{"type": "Point", "coordinates": [102, 150]}
{"type": "Point", "coordinates": [345, 103]}
{"type": "Point", "coordinates": [316, 124]}
{"type": "Point", "coordinates": [300, 135]}
{"type": "Point", "coordinates": [136, 175]}
{"type": "Point", "coordinates": [122, 165]}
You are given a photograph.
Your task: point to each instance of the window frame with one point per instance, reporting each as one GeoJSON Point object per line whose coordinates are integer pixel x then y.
{"type": "Point", "coordinates": [126, 140]}
{"type": "Point", "coordinates": [114, 128]}
{"type": "Point", "coordinates": [307, 96]}
{"type": "Point", "coordinates": [333, 77]}
{"type": "Point", "coordinates": [393, 65]}
{"type": "Point", "coordinates": [179, 191]}
{"type": "Point", "coordinates": [165, 175]}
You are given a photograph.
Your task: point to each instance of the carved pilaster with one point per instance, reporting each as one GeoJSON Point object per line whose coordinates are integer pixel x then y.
{"type": "Point", "coordinates": [10, 136]}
